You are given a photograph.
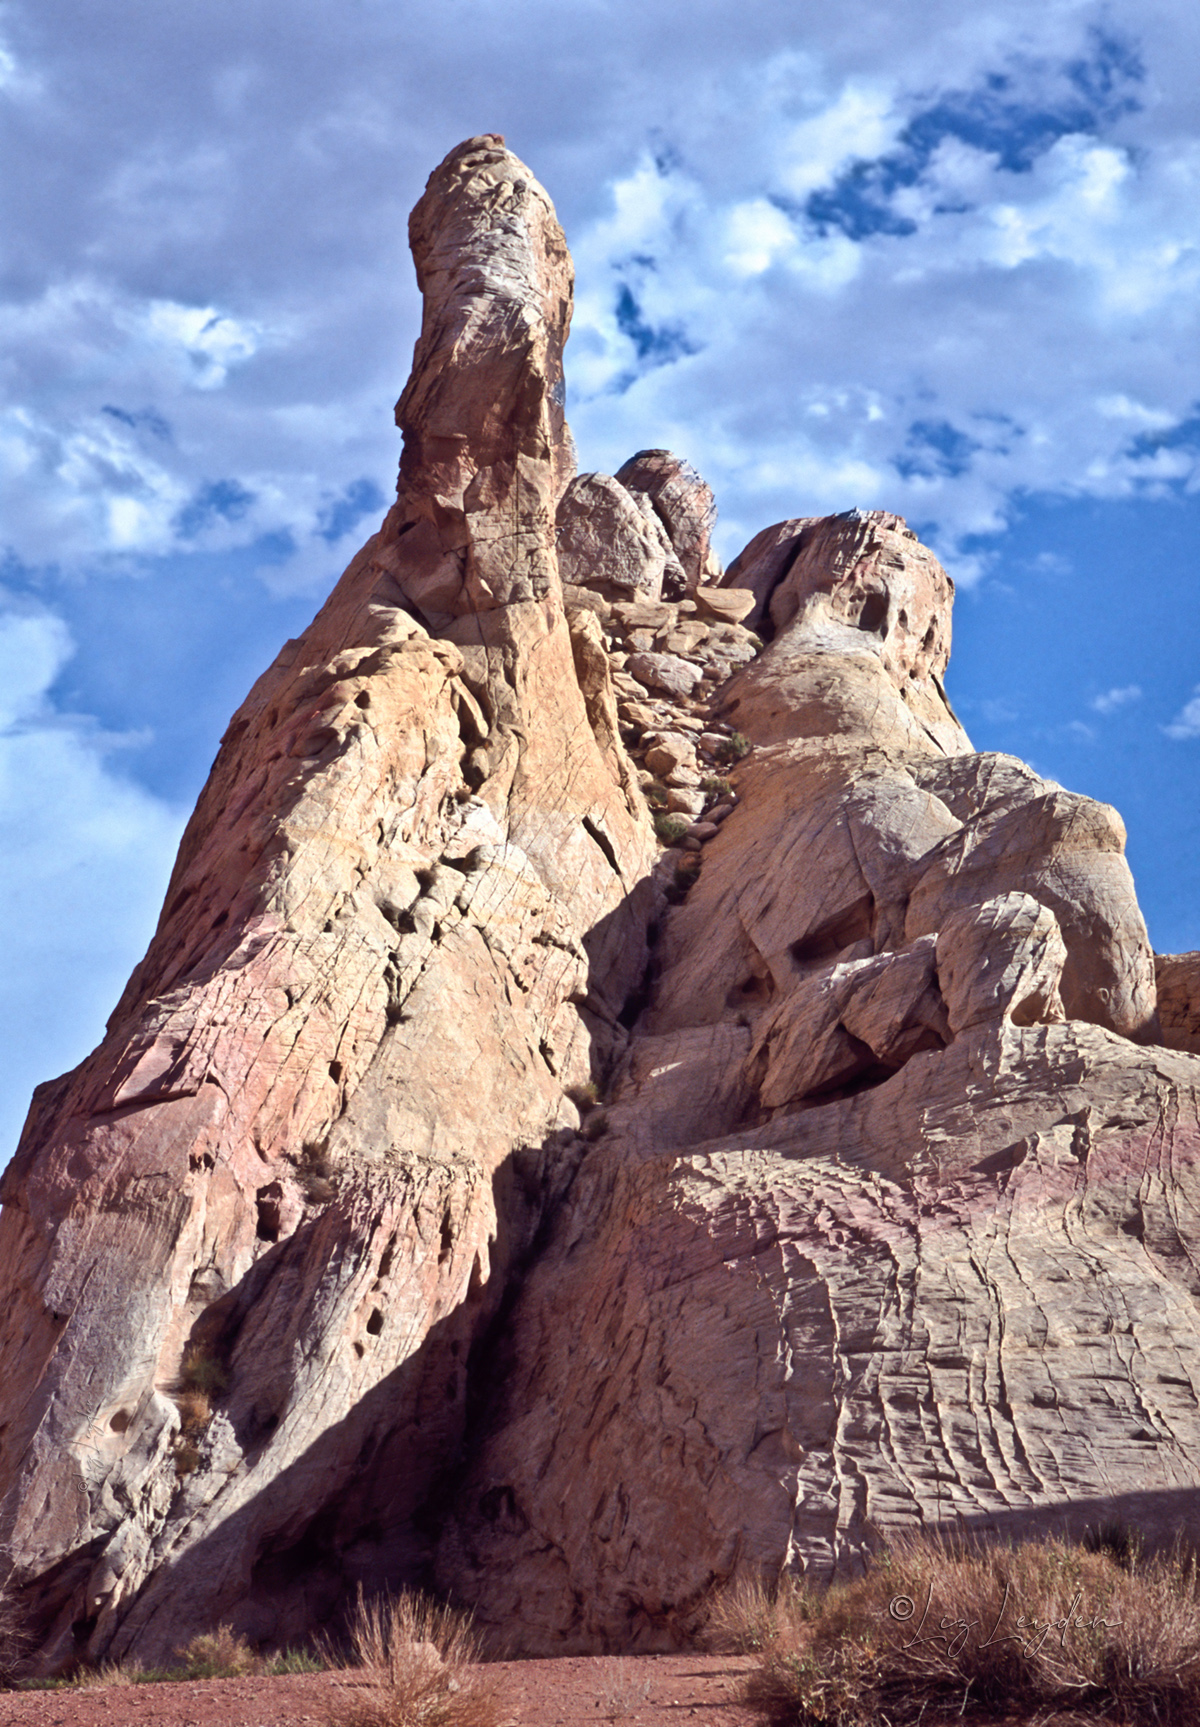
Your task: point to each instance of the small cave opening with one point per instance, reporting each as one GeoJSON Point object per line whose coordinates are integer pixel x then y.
{"type": "Point", "coordinates": [824, 941]}
{"type": "Point", "coordinates": [375, 1322]}
{"type": "Point", "coordinates": [269, 1204]}
{"type": "Point", "coordinates": [874, 612]}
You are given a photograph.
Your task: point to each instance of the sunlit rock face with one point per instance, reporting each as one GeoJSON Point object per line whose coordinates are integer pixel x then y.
{"type": "Point", "coordinates": [621, 1094]}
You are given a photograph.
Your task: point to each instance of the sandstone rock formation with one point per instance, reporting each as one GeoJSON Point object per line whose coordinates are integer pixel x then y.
{"type": "Point", "coordinates": [609, 1103]}
{"type": "Point", "coordinates": [249, 1244]}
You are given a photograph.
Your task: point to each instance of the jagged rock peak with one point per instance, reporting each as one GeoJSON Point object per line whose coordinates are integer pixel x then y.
{"type": "Point", "coordinates": [609, 1104]}
{"type": "Point", "coordinates": [483, 417]}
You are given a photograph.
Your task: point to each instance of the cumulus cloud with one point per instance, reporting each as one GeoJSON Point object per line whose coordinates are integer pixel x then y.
{"type": "Point", "coordinates": [933, 270]}
{"type": "Point", "coordinates": [84, 858]}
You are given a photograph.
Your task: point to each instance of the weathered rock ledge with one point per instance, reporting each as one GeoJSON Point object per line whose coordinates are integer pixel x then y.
{"type": "Point", "coordinates": [620, 1092]}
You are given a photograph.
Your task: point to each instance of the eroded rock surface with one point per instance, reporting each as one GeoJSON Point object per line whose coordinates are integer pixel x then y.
{"type": "Point", "coordinates": [686, 1054]}
{"type": "Point", "coordinates": [332, 1102]}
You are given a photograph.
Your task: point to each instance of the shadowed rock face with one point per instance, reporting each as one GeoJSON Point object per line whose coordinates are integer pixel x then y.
{"type": "Point", "coordinates": [885, 1220]}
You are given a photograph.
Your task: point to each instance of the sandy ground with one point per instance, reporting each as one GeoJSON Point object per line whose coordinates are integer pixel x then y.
{"type": "Point", "coordinates": [638, 1691]}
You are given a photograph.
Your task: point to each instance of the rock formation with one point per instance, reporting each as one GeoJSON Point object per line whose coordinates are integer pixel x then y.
{"type": "Point", "coordinates": [621, 1093]}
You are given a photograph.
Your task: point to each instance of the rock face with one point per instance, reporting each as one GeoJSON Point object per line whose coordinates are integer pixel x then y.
{"type": "Point", "coordinates": [331, 1104]}
{"type": "Point", "coordinates": [608, 1104]}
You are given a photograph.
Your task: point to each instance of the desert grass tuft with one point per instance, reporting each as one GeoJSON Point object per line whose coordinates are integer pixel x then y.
{"type": "Point", "coordinates": [944, 1630]}
{"type": "Point", "coordinates": [418, 1660]}
{"type": "Point", "coordinates": [750, 1617]}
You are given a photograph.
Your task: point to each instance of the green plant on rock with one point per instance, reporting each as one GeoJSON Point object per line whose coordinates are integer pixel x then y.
{"type": "Point", "coordinates": [715, 787]}
{"type": "Point", "coordinates": [732, 748]}
{"type": "Point", "coordinates": [203, 1370]}
{"type": "Point", "coordinates": [655, 796]}
{"type": "Point", "coordinates": [670, 828]}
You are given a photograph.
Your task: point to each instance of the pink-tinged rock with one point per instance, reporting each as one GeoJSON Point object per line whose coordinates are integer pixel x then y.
{"type": "Point", "coordinates": [684, 504]}
{"type": "Point", "coordinates": [760, 565]}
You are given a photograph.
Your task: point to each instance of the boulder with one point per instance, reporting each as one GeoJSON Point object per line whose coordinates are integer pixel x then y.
{"type": "Point", "coordinates": [666, 672]}
{"type": "Point", "coordinates": [727, 605]}
{"type": "Point", "coordinates": [684, 504]}
{"type": "Point", "coordinates": [610, 540]}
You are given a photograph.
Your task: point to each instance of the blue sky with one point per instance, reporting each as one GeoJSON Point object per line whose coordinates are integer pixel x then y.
{"type": "Point", "coordinates": [938, 259]}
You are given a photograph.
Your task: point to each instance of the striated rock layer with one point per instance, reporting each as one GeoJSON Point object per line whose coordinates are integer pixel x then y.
{"type": "Point", "coordinates": [470, 1189]}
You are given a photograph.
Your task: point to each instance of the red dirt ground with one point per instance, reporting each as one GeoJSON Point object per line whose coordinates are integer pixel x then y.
{"type": "Point", "coordinates": [637, 1691]}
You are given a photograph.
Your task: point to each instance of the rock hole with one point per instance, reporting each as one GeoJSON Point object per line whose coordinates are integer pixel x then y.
{"type": "Point", "coordinates": [82, 1629]}
{"type": "Point", "coordinates": [119, 1422]}
{"type": "Point", "coordinates": [752, 988]}
{"type": "Point", "coordinates": [358, 1349]}
{"type": "Point", "coordinates": [447, 1237]}
{"type": "Point", "coordinates": [362, 699]}
{"type": "Point", "coordinates": [335, 1072]}
{"type": "Point", "coordinates": [874, 613]}
{"type": "Point", "coordinates": [389, 1254]}
{"type": "Point", "coordinates": [853, 923]}
{"type": "Point", "coordinates": [375, 1322]}
{"type": "Point", "coordinates": [547, 1055]}
{"type": "Point", "coordinates": [269, 1203]}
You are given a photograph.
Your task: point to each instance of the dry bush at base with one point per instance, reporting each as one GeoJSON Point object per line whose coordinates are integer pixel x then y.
{"type": "Point", "coordinates": [219, 1654]}
{"type": "Point", "coordinates": [12, 1641]}
{"type": "Point", "coordinates": [748, 1617]}
{"type": "Point", "coordinates": [419, 1659]}
{"type": "Point", "coordinates": [940, 1631]}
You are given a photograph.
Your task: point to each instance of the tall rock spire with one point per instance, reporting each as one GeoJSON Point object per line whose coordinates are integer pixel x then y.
{"type": "Point", "coordinates": [247, 1246]}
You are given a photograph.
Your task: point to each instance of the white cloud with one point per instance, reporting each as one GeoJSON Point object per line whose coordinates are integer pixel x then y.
{"type": "Point", "coordinates": [1111, 700]}
{"type": "Point", "coordinates": [1186, 723]}
{"type": "Point", "coordinates": [84, 857]}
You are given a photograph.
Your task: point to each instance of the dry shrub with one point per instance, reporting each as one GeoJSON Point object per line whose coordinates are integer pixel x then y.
{"type": "Point", "coordinates": [110, 1673]}
{"type": "Point", "coordinates": [195, 1409]}
{"type": "Point", "coordinates": [12, 1639]}
{"type": "Point", "coordinates": [750, 1616]}
{"type": "Point", "coordinates": [419, 1659]}
{"type": "Point", "coordinates": [219, 1654]}
{"type": "Point", "coordinates": [203, 1371]}
{"type": "Point", "coordinates": [939, 1628]}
